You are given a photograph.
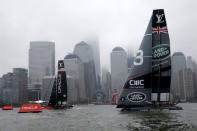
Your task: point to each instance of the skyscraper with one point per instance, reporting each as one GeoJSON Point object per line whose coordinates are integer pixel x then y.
{"type": "Point", "coordinates": [119, 68]}
{"type": "Point", "coordinates": [75, 69]}
{"type": "Point", "coordinates": [15, 86]}
{"type": "Point", "coordinates": [20, 80]}
{"type": "Point", "coordinates": [85, 53]}
{"type": "Point", "coordinates": [41, 61]}
{"type": "Point", "coordinates": [93, 42]}
{"type": "Point", "coordinates": [106, 85]}
{"type": "Point", "coordinates": [178, 63]}
{"type": "Point", "coordinates": [47, 85]}
{"type": "Point", "coordinates": [186, 84]}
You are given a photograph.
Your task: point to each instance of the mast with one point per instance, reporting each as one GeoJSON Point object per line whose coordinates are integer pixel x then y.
{"type": "Point", "coordinates": [161, 61]}
{"type": "Point", "coordinates": [149, 80]}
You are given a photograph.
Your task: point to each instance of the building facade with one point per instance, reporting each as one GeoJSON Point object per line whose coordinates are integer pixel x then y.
{"type": "Point", "coordinates": [75, 69]}
{"type": "Point", "coordinates": [47, 85]}
{"type": "Point", "coordinates": [14, 90]}
{"type": "Point", "coordinates": [85, 53]}
{"type": "Point", "coordinates": [119, 68]}
{"type": "Point", "coordinates": [185, 83]}
{"type": "Point", "coordinates": [178, 64]}
{"type": "Point", "coordinates": [41, 61]}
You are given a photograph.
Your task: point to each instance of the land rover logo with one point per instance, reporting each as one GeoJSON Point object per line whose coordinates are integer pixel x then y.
{"type": "Point", "coordinates": [161, 52]}
{"type": "Point", "coordinates": [136, 97]}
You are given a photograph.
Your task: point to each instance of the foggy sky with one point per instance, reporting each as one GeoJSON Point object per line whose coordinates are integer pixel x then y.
{"type": "Point", "coordinates": [67, 22]}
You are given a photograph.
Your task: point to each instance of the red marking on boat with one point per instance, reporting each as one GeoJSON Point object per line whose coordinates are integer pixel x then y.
{"type": "Point", "coordinates": [7, 108]}
{"type": "Point", "coordinates": [115, 99]}
{"type": "Point", "coordinates": [30, 108]}
{"type": "Point", "coordinates": [139, 74]}
{"type": "Point", "coordinates": [47, 107]}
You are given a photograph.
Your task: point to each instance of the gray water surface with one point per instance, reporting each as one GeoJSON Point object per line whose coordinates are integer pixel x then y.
{"type": "Point", "coordinates": [100, 118]}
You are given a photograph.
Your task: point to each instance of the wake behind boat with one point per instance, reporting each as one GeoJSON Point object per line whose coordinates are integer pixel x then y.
{"type": "Point", "coordinates": [148, 85]}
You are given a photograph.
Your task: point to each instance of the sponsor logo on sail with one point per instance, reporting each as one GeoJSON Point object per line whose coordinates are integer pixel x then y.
{"type": "Point", "coordinates": [59, 84]}
{"type": "Point", "coordinates": [136, 83]}
{"type": "Point", "coordinates": [159, 18]}
{"type": "Point", "coordinates": [136, 97]}
{"type": "Point", "coordinates": [160, 52]}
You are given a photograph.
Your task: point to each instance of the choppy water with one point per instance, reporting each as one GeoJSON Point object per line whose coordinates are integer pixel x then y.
{"type": "Point", "coordinates": [100, 118]}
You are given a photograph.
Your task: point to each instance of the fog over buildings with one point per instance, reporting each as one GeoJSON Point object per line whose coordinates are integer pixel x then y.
{"type": "Point", "coordinates": [87, 32]}
{"type": "Point", "coordinates": [113, 22]}
{"type": "Point", "coordinates": [119, 69]}
{"type": "Point", "coordinates": [75, 70]}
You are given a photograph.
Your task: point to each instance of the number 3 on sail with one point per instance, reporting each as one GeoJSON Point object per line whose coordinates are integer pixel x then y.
{"type": "Point", "coordinates": [139, 58]}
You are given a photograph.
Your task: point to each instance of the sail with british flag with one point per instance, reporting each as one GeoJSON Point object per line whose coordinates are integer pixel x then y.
{"type": "Point", "coordinates": [149, 80]}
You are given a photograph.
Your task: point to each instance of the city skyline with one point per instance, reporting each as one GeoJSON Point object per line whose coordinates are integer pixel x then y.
{"type": "Point", "coordinates": [115, 23]}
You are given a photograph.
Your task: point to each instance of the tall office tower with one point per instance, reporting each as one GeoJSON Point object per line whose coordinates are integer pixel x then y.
{"type": "Point", "coordinates": [119, 68]}
{"type": "Point", "coordinates": [94, 43]}
{"type": "Point", "coordinates": [20, 79]}
{"type": "Point", "coordinates": [178, 63]}
{"type": "Point", "coordinates": [75, 69]}
{"type": "Point", "coordinates": [189, 62]}
{"type": "Point", "coordinates": [41, 61]}
{"type": "Point", "coordinates": [106, 85]}
{"type": "Point", "coordinates": [2, 83]}
{"type": "Point", "coordinates": [47, 85]}
{"type": "Point", "coordinates": [85, 53]}
{"type": "Point", "coordinates": [186, 84]}
{"type": "Point", "coordinates": [195, 83]}
{"type": "Point", "coordinates": [15, 86]}
{"type": "Point", "coordinates": [8, 93]}
{"type": "Point", "coordinates": [130, 59]}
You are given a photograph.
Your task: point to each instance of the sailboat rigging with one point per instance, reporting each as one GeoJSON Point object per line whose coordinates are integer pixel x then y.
{"type": "Point", "coordinates": [148, 85]}
{"type": "Point", "coordinates": [58, 98]}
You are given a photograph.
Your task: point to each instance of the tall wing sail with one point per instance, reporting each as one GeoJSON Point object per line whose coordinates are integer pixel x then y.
{"type": "Point", "coordinates": [61, 84]}
{"type": "Point", "coordinates": [137, 89]}
{"type": "Point", "coordinates": [53, 97]}
{"type": "Point", "coordinates": [161, 60]}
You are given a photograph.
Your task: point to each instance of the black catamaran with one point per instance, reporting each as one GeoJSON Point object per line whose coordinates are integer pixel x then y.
{"type": "Point", "coordinates": [58, 98]}
{"type": "Point", "coordinates": [148, 85]}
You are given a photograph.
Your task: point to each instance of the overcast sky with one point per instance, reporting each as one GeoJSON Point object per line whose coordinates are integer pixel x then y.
{"type": "Point", "coordinates": [67, 22]}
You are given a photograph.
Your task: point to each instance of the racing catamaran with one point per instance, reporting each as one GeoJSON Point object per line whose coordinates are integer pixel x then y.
{"type": "Point", "coordinates": [148, 85]}
{"type": "Point", "coordinates": [58, 98]}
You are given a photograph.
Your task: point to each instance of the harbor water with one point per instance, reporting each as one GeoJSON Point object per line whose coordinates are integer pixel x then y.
{"type": "Point", "coordinates": [101, 118]}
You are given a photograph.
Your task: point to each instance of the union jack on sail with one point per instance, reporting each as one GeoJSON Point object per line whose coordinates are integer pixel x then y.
{"type": "Point", "coordinates": [159, 30]}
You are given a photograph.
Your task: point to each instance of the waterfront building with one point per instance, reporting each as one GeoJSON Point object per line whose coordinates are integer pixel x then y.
{"type": "Point", "coordinates": [2, 83]}
{"type": "Point", "coordinates": [20, 80]}
{"type": "Point", "coordinates": [85, 53]}
{"type": "Point", "coordinates": [47, 85]}
{"type": "Point", "coordinates": [41, 61]}
{"type": "Point", "coordinates": [119, 68]}
{"type": "Point", "coordinates": [75, 69]}
{"type": "Point", "coordinates": [185, 83]}
{"type": "Point", "coordinates": [178, 63]}
{"type": "Point", "coordinates": [106, 85]}
{"type": "Point", "coordinates": [14, 90]}
{"type": "Point", "coordinates": [195, 84]}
